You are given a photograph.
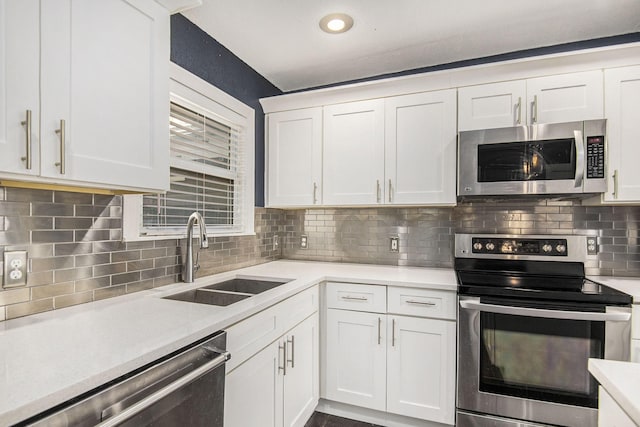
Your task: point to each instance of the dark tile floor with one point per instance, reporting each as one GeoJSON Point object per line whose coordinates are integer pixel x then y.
{"type": "Point", "coordinates": [323, 420]}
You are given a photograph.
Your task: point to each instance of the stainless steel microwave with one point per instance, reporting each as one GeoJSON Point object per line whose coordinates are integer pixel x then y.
{"type": "Point", "coordinates": [556, 158]}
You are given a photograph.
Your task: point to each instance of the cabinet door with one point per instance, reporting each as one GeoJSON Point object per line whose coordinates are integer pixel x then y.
{"type": "Point", "coordinates": [566, 97]}
{"type": "Point", "coordinates": [610, 414]}
{"type": "Point", "coordinates": [635, 351]}
{"type": "Point", "coordinates": [301, 382]}
{"type": "Point", "coordinates": [356, 358]}
{"type": "Point", "coordinates": [105, 72]}
{"type": "Point", "coordinates": [421, 368]}
{"type": "Point", "coordinates": [253, 391]}
{"type": "Point", "coordinates": [19, 83]}
{"type": "Point", "coordinates": [294, 158]}
{"type": "Point", "coordinates": [353, 153]}
{"type": "Point", "coordinates": [622, 106]}
{"type": "Point", "coordinates": [494, 105]}
{"type": "Point", "coordinates": [420, 148]}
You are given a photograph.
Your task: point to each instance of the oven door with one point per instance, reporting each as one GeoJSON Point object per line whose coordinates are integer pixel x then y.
{"type": "Point", "coordinates": [530, 363]}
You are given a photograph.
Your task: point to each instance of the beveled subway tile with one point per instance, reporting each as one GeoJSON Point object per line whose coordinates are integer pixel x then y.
{"type": "Point", "coordinates": [40, 278]}
{"type": "Point", "coordinates": [28, 195]}
{"type": "Point", "coordinates": [92, 211]}
{"type": "Point", "coordinates": [72, 299]}
{"type": "Point", "coordinates": [44, 264]}
{"type": "Point", "coordinates": [20, 237]}
{"type": "Point", "coordinates": [146, 244]}
{"type": "Point", "coordinates": [47, 291]}
{"type": "Point", "coordinates": [139, 286]}
{"type": "Point", "coordinates": [108, 246]}
{"type": "Point", "coordinates": [93, 259]}
{"type": "Point", "coordinates": [73, 274]}
{"type": "Point", "coordinates": [106, 269]}
{"type": "Point", "coordinates": [27, 308]}
{"type": "Point", "coordinates": [78, 248]}
{"type": "Point", "coordinates": [105, 200]}
{"type": "Point", "coordinates": [125, 256]}
{"type": "Point", "coordinates": [51, 209]}
{"type": "Point", "coordinates": [14, 296]}
{"type": "Point", "coordinates": [14, 209]}
{"type": "Point", "coordinates": [92, 283]}
{"type": "Point", "coordinates": [29, 223]}
{"type": "Point", "coordinates": [72, 198]}
{"type": "Point", "coordinates": [119, 279]}
{"type": "Point", "coordinates": [51, 236]}
{"type": "Point", "coordinates": [110, 292]}
{"type": "Point", "coordinates": [73, 223]}
{"type": "Point", "coordinates": [91, 235]}
{"type": "Point", "coordinates": [144, 264]}
{"type": "Point", "coordinates": [106, 223]}
{"type": "Point", "coordinates": [153, 253]}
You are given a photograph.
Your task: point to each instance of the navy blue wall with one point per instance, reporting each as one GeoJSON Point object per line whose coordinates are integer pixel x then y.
{"type": "Point", "coordinates": [196, 51]}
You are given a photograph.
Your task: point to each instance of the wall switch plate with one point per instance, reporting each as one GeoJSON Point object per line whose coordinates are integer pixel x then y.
{"type": "Point", "coordinates": [276, 242]}
{"type": "Point", "coordinates": [15, 269]}
{"type": "Point", "coordinates": [394, 244]}
{"type": "Point", "coordinates": [304, 243]}
{"type": "Point", "coordinates": [592, 245]}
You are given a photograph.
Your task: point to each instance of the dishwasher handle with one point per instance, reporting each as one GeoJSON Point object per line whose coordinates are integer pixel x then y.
{"type": "Point", "coordinates": [148, 401]}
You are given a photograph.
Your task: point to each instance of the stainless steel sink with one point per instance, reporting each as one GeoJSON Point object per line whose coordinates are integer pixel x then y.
{"type": "Point", "coordinates": [226, 293]}
{"type": "Point", "coordinates": [245, 286]}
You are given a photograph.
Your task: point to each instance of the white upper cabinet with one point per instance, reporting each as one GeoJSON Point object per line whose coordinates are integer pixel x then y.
{"type": "Point", "coordinates": [549, 99]}
{"type": "Point", "coordinates": [100, 72]}
{"type": "Point", "coordinates": [353, 153]}
{"type": "Point", "coordinates": [294, 158]}
{"type": "Point", "coordinates": [565, 98]}
{"type": "Point", "coordinates": [493, 105]}
{"type": "Point", "coordinates": [19, 85]}
{"type": "Point", "coordinates": [420, 148]}
{"type": "Point", "coordinates": [622, 108]}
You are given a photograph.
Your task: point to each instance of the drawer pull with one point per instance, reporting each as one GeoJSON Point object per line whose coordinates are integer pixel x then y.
{"type": "Point", "coordinates": [430, 304]}
{"type": "Point", "coordinates": [350, 298]}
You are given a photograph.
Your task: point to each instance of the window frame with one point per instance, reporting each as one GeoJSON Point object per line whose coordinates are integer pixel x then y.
{"type": "Point", "coordinates": [188, 90]}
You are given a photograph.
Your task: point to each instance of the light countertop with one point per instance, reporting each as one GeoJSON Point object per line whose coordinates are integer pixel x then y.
{"type": "Point", "coordinates": [622, 382]}
{"type": "Point", "coordinates": [629, 285]}
{"type": "Point", "coordinates": [48, 358]}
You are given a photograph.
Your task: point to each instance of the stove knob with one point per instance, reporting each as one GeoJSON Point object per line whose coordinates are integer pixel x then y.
{"type": "Point", "coordinates": [490, 246]}
{"type": "Point", "coordinates": [547, 248]}
{"type": "Point", "coordinates": [561, 248]}
{"type": "Point", "coordinates": [477, 246]}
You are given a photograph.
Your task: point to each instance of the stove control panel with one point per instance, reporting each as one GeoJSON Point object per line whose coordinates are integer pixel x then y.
{"type": "Point", "coordinates": [517, 246]}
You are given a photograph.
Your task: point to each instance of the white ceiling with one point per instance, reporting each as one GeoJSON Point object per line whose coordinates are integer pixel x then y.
{"type": "Point", "coordinates": [282, 41]}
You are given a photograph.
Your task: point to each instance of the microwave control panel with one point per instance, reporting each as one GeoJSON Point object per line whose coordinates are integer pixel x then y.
{"type": "Point", "coordinates": [595, 156]}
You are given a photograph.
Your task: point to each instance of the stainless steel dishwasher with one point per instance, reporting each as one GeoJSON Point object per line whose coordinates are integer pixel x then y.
{"type": "Point", "coordinates": [184, 388]}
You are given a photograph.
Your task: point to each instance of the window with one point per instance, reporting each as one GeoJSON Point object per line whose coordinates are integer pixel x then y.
{"type": "Point", "coordinates": [211, 166]}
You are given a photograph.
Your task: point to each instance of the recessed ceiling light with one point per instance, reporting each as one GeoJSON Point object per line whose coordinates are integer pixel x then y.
{"type": "Point", "coordinates": [335, 23]}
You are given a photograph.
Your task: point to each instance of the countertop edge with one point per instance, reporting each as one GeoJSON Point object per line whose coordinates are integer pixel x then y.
{"type": "Point", "coordinates": [607, 373]}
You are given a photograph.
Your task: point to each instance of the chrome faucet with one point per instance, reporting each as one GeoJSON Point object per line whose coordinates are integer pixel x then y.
{"type": "Point", "coordinates": [190, 267]}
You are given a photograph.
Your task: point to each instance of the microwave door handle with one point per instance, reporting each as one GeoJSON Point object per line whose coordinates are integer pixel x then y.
{"type": "Point", "coordinates": [579, 158]}
{"type": "Point", "coordinates": [549, 314]}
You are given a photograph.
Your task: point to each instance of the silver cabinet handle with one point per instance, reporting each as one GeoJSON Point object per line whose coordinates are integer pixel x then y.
{"type": "Point", "coordinates": [377, 190]}
{"type": "Point", "coordinates": [579, 158]}
{"type": "Point", "coordinates": [519, 107]}
{"type": "Point", "coordinates": [534, 110]}
{"type": "Point", "coordinates": [292, 341]}
{"type": "Point", "coordinates": [430, 304]}
{"type": "Point", "coordinates": [379, 330]}
{"type": "Point", "coordinates": [615, 184]}
{"type": "Point", "coordinates": [282, 368]}
{"type": "Point", "coordinates": [145, 403]}
{"type": "Point", "coordinates": [315, 193]}
{"type": "Point", "coordinates": [549, 314]}
{"type": "Point", "coordinates": [393, 332]}
{"type": "Point", "coordinates": [350, 298]}
{"type": "Point", "coordinates": [62, 134]}
{"type": "Point", "coordinates": [27, 124]}
{"type": "Point", "coordinates": [390, 189]}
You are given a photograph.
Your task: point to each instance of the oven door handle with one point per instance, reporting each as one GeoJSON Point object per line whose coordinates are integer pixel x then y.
{"type": "Point", "coordinates": [550, 314]}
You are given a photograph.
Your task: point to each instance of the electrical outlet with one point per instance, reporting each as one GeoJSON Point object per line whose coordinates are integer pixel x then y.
{"type": "Point", "coordinates": [15, 268]}
{"type": "Point", "coordinates": [394, 244]}
{"type": "Point", "coordinates": [592, 245]}
{"type": "Point", "coordinates": [304, 242]}
{"type": "Point", "coordinates": [276, 242]}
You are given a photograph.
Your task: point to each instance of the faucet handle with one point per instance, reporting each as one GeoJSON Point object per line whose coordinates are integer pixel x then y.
{"type": "Point", "coordinates": [196, 267]}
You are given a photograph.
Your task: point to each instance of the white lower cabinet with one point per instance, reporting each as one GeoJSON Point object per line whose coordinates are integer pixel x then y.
{"type": "Point", "coordinates": [278, 386]}
{"type": "Point", "coordinates": [610, 414]}
{"type": "Point", "coordinates": [396, 363]}
{"type": "Point", "coordinates": [420, 368]}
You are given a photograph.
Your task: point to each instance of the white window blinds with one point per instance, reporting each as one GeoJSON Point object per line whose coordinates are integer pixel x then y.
{"type": "Point", "coordinates": [206, 175]}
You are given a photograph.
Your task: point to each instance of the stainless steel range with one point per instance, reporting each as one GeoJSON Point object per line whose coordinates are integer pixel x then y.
{"type": "Point", "coordinates": [529, 321]}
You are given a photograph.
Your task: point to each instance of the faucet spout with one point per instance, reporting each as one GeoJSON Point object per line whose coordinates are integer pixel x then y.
{"type": "Point", "coordinates": [190, 267]}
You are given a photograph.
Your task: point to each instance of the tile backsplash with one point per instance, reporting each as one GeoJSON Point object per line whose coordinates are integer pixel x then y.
{"type": "Point", "coordinates": [76, 254]}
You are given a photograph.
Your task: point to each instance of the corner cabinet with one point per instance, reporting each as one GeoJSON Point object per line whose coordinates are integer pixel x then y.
{"type": "Point", "coordinates": [549, 99]}
{"type": "Point", "coordinates": [622, 108]}
{"type": "Point", "coordinates": [294, 157]}
{"type": "Point", "coordinates": [101, 116]}
{"type": "Point", "coordinates": [392, 349]}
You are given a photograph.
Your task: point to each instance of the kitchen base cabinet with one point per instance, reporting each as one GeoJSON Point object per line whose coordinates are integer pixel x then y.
{"type": "Point", "coordinates": [610, 414]}
{"type": "Point", "coordinates": [400, 362]}
{"type": "Point", "coordinates": [278, 386]}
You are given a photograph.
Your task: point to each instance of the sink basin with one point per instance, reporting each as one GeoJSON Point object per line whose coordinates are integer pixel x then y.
{"type": "Point", "coordinates": [245, 286]}
{"type": "Point", "coordinates": [204, 296]}
{"type": "Point", "coordinates": [227, 292]}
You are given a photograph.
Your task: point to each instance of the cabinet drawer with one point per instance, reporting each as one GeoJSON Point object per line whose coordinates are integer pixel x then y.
{"type": "Point", "coordinates": [357, 297]}
{"type": "Point", "coordinates": [247, 337]}
{"type": "Point", "coordinates": [422, 302]}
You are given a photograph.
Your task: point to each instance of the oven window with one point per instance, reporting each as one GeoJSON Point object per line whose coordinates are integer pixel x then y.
{"type": "Point", "coordinates": [551, 159]}
{"type": "Point", "coordinates": [538, 358]}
